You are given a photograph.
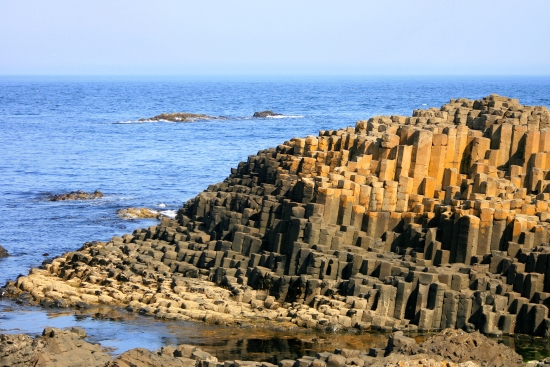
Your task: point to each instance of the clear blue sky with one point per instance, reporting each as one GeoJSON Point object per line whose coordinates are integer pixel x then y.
{"type": "Point", "coordinates": [274, 37]}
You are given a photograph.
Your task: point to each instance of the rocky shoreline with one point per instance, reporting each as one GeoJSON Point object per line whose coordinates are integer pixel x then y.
{"type": "Point", "coordinates": [429, 222]}
{"type": "Point", "coordinates": [450, 348]}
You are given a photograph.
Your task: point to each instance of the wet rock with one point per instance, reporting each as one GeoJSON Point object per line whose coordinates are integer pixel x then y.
{"type": "Point", "coordinates": [179, 117]}
{"type": "Point", "coordinates": [3, 252]}
{"type": "Point", "coordinates": [138, 213]}
{"type": "Point", "coordinates": [76, 195]}
{"type": "Point", "coordinates": [266, 113]}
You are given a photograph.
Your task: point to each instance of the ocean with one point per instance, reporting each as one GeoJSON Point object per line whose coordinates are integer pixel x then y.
{"type": "Point", "coordinates": [61, 134]}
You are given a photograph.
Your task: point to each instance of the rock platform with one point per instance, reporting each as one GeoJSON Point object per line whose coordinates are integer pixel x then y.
{"type": "Point", "coordinates": [434, 221]}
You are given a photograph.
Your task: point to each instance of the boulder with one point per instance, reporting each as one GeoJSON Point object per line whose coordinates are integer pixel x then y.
{"type": "Point", "coordinates": [3, 252]}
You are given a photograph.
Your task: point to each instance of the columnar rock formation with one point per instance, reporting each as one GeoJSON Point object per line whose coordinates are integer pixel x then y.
{"type": "Point", "coordinates": [426, 222]}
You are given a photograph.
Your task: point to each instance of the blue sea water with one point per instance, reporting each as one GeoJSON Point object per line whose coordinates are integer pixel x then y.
{"type": "Point", "coordinates": [60, 134]}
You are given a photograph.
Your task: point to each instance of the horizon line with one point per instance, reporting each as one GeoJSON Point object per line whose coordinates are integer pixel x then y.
{"type": "Point", "coordinates": [273, 75]}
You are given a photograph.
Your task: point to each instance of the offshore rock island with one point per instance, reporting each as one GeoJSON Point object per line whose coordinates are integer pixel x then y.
{"type": "Point", "coordinates": [434, 221]}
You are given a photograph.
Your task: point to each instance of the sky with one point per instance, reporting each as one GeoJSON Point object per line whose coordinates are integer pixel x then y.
{"type": "Point", "coordinates": [283, 37]}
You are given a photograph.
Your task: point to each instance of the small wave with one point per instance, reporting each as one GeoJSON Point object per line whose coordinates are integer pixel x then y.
{"type": "Point", "coordinates": [220, 119]}
{"type": "Point", "coordinates": [138, 122]}
{"type": "Point", "coordinates": [169, 213]}
{"type": "Point", "coordinates": [161, 205]}
{"type": "Point", "coordinates": [285, 117]}
{"type": "Point", "coordinates": [129, 122]}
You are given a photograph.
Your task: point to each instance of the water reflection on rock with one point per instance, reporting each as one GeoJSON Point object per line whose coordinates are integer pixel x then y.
{"type": "Point", "coordinates": [118, 331]}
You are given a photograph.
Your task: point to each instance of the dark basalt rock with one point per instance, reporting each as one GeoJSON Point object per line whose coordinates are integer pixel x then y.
{"type": "Point", "coordinates": [76, 195]}
{"type": "Point", "coordinates": [266, 113]}
{"type": "Point", "coordinates": [179, 117]}
{"type": "Point", "coordinates": [3, 252]}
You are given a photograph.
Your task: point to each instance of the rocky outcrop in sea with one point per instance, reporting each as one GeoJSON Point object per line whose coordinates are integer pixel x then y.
{"type": "Point", "coordinates": [266, 113]}
{"type": "Point", "coordinates": [3, 252]}
{"type": "Point", "coordinates": [434, 221]}
{"type": "Point", "coordinates": [76, 195]}
{"type": "Point", "coordinates": [179, 117]}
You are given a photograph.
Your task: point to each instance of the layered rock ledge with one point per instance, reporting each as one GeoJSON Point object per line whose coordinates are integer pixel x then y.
{"type": "Point", "coordinates": [57, 348]}
{"type": "Point", "coordinates": [439, 220]}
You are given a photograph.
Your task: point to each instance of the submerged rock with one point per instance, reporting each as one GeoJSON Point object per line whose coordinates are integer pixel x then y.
{"type": "Point", "coordinates": [179, 117]}
{"type": "Point", "coordinates": [76, 195]}
{"type": "Point", "coordinates": [138, 213]}
{"type": "Point", "coordinates": [3, 252]}
{"type": "Point", "coordinates": [266, 113]}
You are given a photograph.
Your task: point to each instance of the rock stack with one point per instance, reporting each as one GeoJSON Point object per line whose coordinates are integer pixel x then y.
{"type": "Point", "coordinates": [439, 220]}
